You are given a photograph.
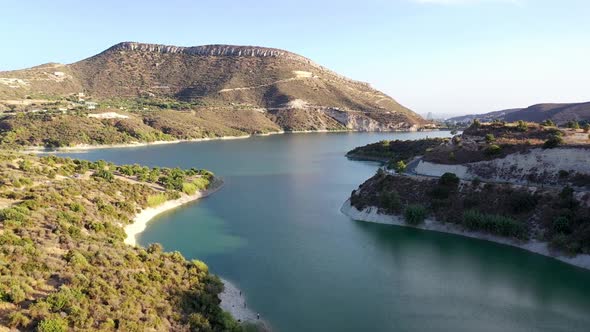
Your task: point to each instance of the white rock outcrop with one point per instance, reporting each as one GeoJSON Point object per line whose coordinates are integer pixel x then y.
{"type": "Point", "coordinates": [519, 168]}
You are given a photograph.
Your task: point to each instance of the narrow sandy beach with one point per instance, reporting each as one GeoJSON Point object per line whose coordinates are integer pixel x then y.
{"type": "Point", "coordinates": [371, 214]}
{"type": "Point", "coordinates": [234, 302]}
{"type": "Point", "coordinates": [141, 219]}
{"type": "Point", "coordinates": [84, 147]}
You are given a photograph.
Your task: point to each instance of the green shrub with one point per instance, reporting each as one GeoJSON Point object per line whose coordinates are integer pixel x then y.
{"type": "Point", "coordinates": [561, 224]}
{"type": "Point", "coordinates": [400, 166]}
{"type": "Point", "coordinates": [440, 192]}
{"type": "Point", "coordinates": [553, 141]}
{"type": "Point", "coordinates": [155, 248]}
{"type": "Point", "coordinates": [156, 199]}
{"type": "Point", "coordinates": [493, 150]}
{"type": "Point", "coordinates": [452, 156]}
{"type": "Point", "coordinates": [77, 207]}
{"type": "Point", "coordinates": [76, 259]}
{"type": "Point", "coordinates": [201, 183]}
{"type": "Point", "coordinates": [522, 126]}
{"type": "Point", "coordinates": [560, 241]}
{"type": "Point", "coordinates": [25, 165]}
{"type": "Point", "coordinates": [390, 201]}
{"type": "Point", "coordinates": [104, 174]}
{"type": "Point", "coordinates": [414, 214]}
{"type": "Point", "coordinates": [449, 179]}
{"type": "Point", "coordinates": [173, 194]}
{"type": "Point", "coordinates": [200, 265]}
{"type": "Point", "coordinates": [52, 325]}
{"type": "Point", "coordinates": [107, 209]}
{"type": "Point", "coordinates": [198, 323]}
{"type": "Point", "coordinates": [490, 138]}
{"type": "Point", "coordinates": [189, 188]}
{"type": "Point", "coordinates": [13, 213]}
{"type": "Point", "coordinates": [18, 319]}
{"type": "Point", "coordinates": [17, 294]}
{"type": "Point", "coordinates": [494, 224]}
{"type": "Point", "coordinates": [522, 202]}
{"type": "Point", "coordinates": [573, 124]}
{"type": "Point", "coordinates": [566, 193]}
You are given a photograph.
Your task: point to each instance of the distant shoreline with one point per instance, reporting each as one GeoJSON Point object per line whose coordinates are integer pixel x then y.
{"type": "Point", "coordinates": [371, 214]}
{"type": "Point", "coordinates": [85, 147]}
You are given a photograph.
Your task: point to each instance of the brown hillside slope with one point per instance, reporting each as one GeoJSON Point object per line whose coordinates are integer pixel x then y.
{"type": "Point", "coordinates": [217, 76]}
{"type": "Point", "coordinates": [260, 76]}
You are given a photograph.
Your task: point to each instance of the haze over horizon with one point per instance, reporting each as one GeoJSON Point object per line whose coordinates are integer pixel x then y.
{"type": "Point", "coordinates": [448, 57]}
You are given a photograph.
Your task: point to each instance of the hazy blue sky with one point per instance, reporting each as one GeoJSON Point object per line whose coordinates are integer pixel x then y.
{"type": "Point", "coordinates": [440, 56]}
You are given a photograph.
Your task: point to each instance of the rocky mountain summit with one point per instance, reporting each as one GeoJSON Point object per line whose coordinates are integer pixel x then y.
{"type": "Point", "coordinates": [210, 50]}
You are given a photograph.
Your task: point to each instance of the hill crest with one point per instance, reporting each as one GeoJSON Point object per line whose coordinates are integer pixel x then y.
{"type": "Point", "coordinates": [557, 112]}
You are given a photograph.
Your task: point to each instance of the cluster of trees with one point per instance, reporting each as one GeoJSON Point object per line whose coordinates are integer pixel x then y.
{"type": "Point", "coordinates": [188, 181]}
{"type": "Point", "coordinates": [494, 224]}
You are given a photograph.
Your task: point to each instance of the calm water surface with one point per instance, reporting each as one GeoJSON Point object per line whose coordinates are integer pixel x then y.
{"type": "Point", "coordinates": [276, 231]}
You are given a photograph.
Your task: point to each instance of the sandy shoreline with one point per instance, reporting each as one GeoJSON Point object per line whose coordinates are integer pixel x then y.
{"type": "Point", "coordinates": [85, 147]}
{"type": "Point", "coordinates": [142, 218]}
{"type": "Point", "coordinates": [234, 302]}
{"type": "Point", "coordinates": [371, 214]}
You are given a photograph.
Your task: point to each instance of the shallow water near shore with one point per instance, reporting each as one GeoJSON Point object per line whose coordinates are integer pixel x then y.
{"type": "Point", "coordinates": [275, 230]}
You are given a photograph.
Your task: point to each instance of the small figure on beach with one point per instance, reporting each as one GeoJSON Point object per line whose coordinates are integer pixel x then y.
{"type": "Point", "coordinates": [257, 316]}
{"type": "Point", "coordinates": [240, 293]}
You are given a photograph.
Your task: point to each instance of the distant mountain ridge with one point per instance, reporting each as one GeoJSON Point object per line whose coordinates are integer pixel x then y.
{"type": "Point", "coordinates": [558, 113]}
{"type": "Point", "coordinates": [269, 79]}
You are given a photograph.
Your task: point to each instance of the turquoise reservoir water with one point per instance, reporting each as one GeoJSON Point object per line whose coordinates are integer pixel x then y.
{"type": "Point", "coordinates": [276, 231]}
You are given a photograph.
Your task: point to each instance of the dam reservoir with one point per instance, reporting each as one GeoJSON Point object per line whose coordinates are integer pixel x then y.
{"type": "Point", "coordinates": [275, 230]}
